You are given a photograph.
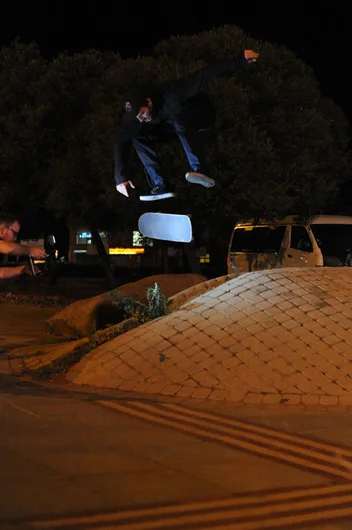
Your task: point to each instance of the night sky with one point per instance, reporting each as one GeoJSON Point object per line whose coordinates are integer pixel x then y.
{"type": "Point", "coordinates": [320, 40]}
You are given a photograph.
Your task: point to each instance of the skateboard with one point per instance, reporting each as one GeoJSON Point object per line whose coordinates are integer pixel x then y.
{"type": "Point", "coordinates": [166, 226]}
{"type": "Point", "coordinates": [172, 227]}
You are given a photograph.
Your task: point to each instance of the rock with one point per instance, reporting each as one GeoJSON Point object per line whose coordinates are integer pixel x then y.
{"type": "Point", "coordinates": [83, 317]}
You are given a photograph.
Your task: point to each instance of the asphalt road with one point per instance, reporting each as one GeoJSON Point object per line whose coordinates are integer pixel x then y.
{"type": "Point", "coordinates": [64, 453]}
{"type": "Point", "coordinates": [84, 460]}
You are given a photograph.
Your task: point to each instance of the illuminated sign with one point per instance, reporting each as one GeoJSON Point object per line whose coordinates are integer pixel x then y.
{"type": "Point", "coordinates": [128, 251]}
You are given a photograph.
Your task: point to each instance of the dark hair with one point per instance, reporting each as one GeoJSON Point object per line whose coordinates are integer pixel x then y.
{"type": "Point", "coordinates": [7, 219]}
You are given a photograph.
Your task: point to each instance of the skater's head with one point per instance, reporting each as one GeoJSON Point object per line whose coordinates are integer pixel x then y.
{"type": "Point", "coordinates": [138, 107]}
{"type": "Point", "coordinates": [9, 227]}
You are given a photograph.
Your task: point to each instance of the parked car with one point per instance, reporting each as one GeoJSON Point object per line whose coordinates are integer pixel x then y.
{"type": "Point", "coordinates": [326, 241]}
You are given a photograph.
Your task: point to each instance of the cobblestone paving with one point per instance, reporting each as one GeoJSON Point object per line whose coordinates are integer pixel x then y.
{"type": "Point", "coordinates": [264, 337]}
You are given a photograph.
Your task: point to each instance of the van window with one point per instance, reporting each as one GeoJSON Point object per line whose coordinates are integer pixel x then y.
{"type": "Point", "coordinates": [334, 240]}
{"type": "Point", "coordinates": [300, 239]}
{"type": "Point", "coordinates": [258, 239]}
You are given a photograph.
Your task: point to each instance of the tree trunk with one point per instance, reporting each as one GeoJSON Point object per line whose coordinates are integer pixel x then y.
{"type": "Point", "coordinates": [192, 258]}
{"type": "Point", "coordinates": [165, 257]}
{"type": "Point", "coordinates": [104, 258]}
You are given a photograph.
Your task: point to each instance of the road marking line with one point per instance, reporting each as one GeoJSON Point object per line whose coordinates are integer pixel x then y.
{"type": "Point", "coordinates": [20, 408]}
{"type": "Point", "coordinates": [231, 437]}
{"type": "Point", "coordinates": [236, 510]}
{"type": "Point", "coordinates": [314, 444]}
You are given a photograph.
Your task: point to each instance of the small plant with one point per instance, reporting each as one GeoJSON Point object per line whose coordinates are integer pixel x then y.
{"type": "Point", "coordinates": [157, 305]}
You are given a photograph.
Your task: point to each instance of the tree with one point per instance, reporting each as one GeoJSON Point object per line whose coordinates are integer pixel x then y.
{"type": "Point", "coordinates": [84, 96]}
{"type": "Point", "coordinates": [21, 68]}
{"type": "Point", "coordinates": [278, 146]}
{"type": "Point", "coordinates": [76, 183]}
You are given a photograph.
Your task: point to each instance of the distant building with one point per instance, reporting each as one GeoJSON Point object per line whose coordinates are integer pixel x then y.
{"type": "Point", "coordinates": [125, 250]}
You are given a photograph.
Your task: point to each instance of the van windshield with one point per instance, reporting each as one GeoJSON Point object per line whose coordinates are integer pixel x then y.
{"type": "Point", "coordinates": [258, 239]}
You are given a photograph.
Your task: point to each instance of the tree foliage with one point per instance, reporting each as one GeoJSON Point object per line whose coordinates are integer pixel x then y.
{"type": "Point", "coordinates": [277, 147]}
{"type": "Point", "coordinates": [21, 68]}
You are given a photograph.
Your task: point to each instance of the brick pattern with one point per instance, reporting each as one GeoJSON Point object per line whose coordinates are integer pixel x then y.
{"type": "Point", "coordinates": [279, 336]}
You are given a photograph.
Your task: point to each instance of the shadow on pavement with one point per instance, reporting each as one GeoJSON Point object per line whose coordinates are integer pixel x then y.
{"type": "Point", "coordinates": [17, 386]}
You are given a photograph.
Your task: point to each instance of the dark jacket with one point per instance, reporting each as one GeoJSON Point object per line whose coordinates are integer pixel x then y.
{"type": "Point", "coordinates": [168, 100]}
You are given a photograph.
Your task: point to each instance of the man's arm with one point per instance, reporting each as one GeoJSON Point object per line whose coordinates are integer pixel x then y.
{"type": "Point", "coordinates": [121, 152]}
{"type": "Point", "coordinates": [187, 87]}
{"type": "Point", "coordinates": [11, 272]}
{"type": "Point", "coordinates": [129, 130]}
{"type": "Point", "coordinates": [15, 249]}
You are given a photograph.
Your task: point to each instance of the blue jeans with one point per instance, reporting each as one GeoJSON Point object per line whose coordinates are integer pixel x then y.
{"type": "Point", "coordinates": [191, 142]}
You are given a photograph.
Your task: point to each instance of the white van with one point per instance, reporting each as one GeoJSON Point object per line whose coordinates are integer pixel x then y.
{"type": "Point", "coordinates": [266, 245]}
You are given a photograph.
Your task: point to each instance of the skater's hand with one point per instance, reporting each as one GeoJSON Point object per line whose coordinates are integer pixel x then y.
{"type": "Point", "coordinates": [251, 56]}
{"type": "Point", "coordinates": [122, 188]}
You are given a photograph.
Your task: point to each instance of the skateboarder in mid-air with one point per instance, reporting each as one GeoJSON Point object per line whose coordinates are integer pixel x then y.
{"type": "Point", "coordinates": [152, 113]}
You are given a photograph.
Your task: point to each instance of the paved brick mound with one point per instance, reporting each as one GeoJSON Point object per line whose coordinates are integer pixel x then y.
{"type": "Point", "coordinates": [271, 336]}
